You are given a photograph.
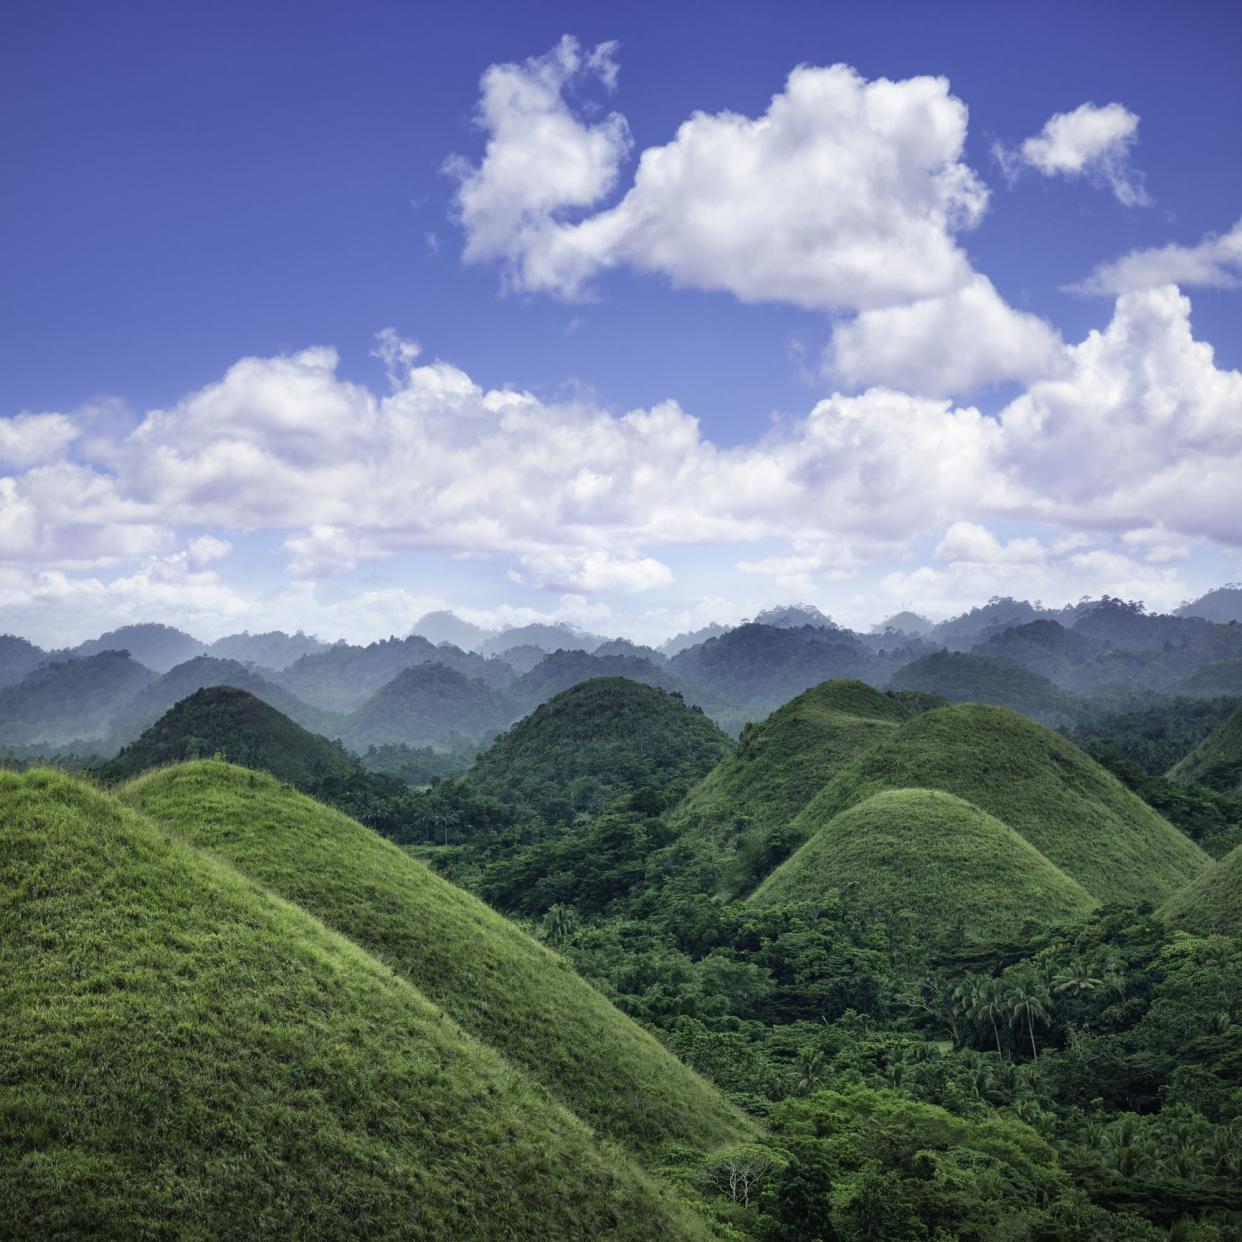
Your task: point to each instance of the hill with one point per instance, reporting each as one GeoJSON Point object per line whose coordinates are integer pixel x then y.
{"type": "Point", "coordinates": [18, 658]}
{"type": "Point", "coordinates": [550, 637]}
{"type": "Point", "coordinates": [1217, 760]}
{"type": "Point", "coordinates": [594, 742]}
{"type": "Point", "coordinates": [497, 982]}
{"type": "Point", "coordinates": [1063, 803]}
{"type": "Point", "coordinates": [563, 669]}
{"type": "Point", "coordinates": [964, 877]}
{"type": "Point", "coordinates": [1222, 605]}
{"type": "Point", "coordinates": [1211, 904]}
{"type": "Point", "coordinates": [228, 721]}
{"type": "Point", "coordinates": [159, 647]}
{"type": "Point", "coordinates": [67, 700]}
{"type": "Point", "coordinates": [430, 705]}
{"type": "Point", "coordinates": [963, 677]}
{"type": "Point", "coordinates": [781, 763]}
{"type": "Point", "coordinates": [756, 668]}
{"type": "Point", "coordinates": [274, 649]}
{"type": "Point", "coordinates": [189, 1056]}
{"type": "Point", "coordinates": [200, 673]}
{"type": "Point", "coordinates": [443, 626]}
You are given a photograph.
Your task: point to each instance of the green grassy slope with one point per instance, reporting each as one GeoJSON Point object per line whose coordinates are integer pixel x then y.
{"type": "Point", "coordinates": [234, 723]}
{"type": "Point", "coordinates": [1211, 903]}
{"type": "Point", "coordinates": [595, 742]}
{"type": "Point", "coordinates": [966, 877]}
{"type": "Point", "coordinates": [1217, 761]}
{"type": "Point", "coordinates": [782, 762]}
{"type": "Point", "coordinates": [1044, 788]}
{"type": "Point", "coordinates": [185, 1056]}
{"type": "Point", "coordinates": [497, 982]}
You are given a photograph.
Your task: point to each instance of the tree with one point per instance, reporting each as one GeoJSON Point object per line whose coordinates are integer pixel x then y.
{"type": "Point", "coordinates": [988, 1003]}
{"type": "Point", "coordinates": [1029, 1001]}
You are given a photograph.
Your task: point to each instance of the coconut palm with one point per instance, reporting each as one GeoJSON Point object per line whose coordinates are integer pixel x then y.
{"type": "Point", "coordinates": [1029, 1002]}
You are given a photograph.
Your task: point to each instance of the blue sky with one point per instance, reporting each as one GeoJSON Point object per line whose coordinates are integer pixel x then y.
{"type": "Point", "coordinates": [186, 187]}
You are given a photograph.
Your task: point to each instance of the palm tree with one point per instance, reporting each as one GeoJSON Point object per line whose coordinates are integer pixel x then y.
{"type": "Point", "coordinates": [988, 1004]}
{"type": "Point", "coordinates": [1029, 1001]}
{"type": "Point", "coordinates": [1075, 980]}
{"type": "Point", "coordinates": [810, 1072]}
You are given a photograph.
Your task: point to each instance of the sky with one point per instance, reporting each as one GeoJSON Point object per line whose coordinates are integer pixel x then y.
{"type": "Point", "coordinates": [322, 316]}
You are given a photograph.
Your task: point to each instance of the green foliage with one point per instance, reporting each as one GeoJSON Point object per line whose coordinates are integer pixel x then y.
{"type": "Point", "coordinates": [1217, 761]}
{"type": "Point", "coordinates": [182, 1055]}
{"type": "Point", "coordinates": [1151, 731]}
{"type": "Point", "coordinates": [1062, 802]}
{"type": "Point", "coordinates": [1210, 819]}
{"type": "Point", "coordinates": [593, 743]}
{"type": "Point", "coordinates": [415, 765]}
{"type": "Point", "coordinates": [498, 983]}
{"type": "Point", "coordinates": [935, 870]}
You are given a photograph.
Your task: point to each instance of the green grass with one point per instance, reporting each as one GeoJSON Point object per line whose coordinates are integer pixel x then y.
{"type": "Point", "coordinates": [498, 983]}
{"type": "Point", "coordinates": [595, 742]}
{"type": "Point", "coordinates": [782, 762]}
{"type": "Point", "coordinates": [233, 723]}
{"type": "Point", "coordinates": [963, 876]}
{"type": "Point", "coordinates": [1063, 803]}
{"type": "Point", "coordinates": [1211, 904]}
{"type": "Point", "coordinates": [1217, 761]}
{"type": "Point", "coordinates": [184, 1056]}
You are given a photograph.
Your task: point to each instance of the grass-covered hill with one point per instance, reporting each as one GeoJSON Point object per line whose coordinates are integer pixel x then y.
{"type": "Point", "coordinates": [200, 673]}
{"type": "Point", "coordinates": [1217, 761]}
{"type": "Point", "coordinates": [498, 983]}
{"type": "Point", "coordinates": [593, 743]}
{"type": "Point", "coordinates": [185, 1055]}
{"type": "Point", "coordinates": [1211, 904]}
{"type": "Point", "coordinates": [931, 867]}
{"type": "Point", "coordinates": [158, 647]}
{"type": "Point", "coordinates": [225, 720]}
{"type": "Point", "coordinates": [1061, 801]}
{"type": "Point", "coordinates": [66, 700]}
{"type": "Point", "coordinates": [781, 763]}
{"type": "Point", "coordinates": [428, 705]}
{"type": "Point", "coordinates": [964, 677]}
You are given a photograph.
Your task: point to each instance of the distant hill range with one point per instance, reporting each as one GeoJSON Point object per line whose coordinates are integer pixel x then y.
{"type": "Point", "coordinates": [1054, 665]}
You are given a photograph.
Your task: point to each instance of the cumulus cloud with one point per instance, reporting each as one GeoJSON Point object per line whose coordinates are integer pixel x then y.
{"type": "Point", "coordinates": [1139, 432]}
{"type": "Point", "coordinates": [1215, 263]}
{"type": "Point", "coordinates": [540, 160]}
{"type": "Point", "coordinates": [27, 439]}
{"type": "Point", "coordinates": [844, 196]}
{"type": "Point", "coordinates": [945, 345]}
{"type": "Point", "coordinates": [1090, 141]}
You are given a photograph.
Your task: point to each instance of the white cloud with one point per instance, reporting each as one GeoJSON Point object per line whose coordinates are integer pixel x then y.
{"type": "Point", "coordinates": [592, 571]}
{"type": "Point", "coordinates": [27, 439]}
{"type": "Point", "coordinates": [844, 193]}
{"type": "Point", "coordinates": [1090, 141]}
{"type": "Point", "coordinates": [947, 344]}
{"type": "Point", "coordinates": [1215, 263]}
{"type": "Point", "coordinates": [540, 159]}
{"type": "Point", "coordinates": [1137, 440]}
